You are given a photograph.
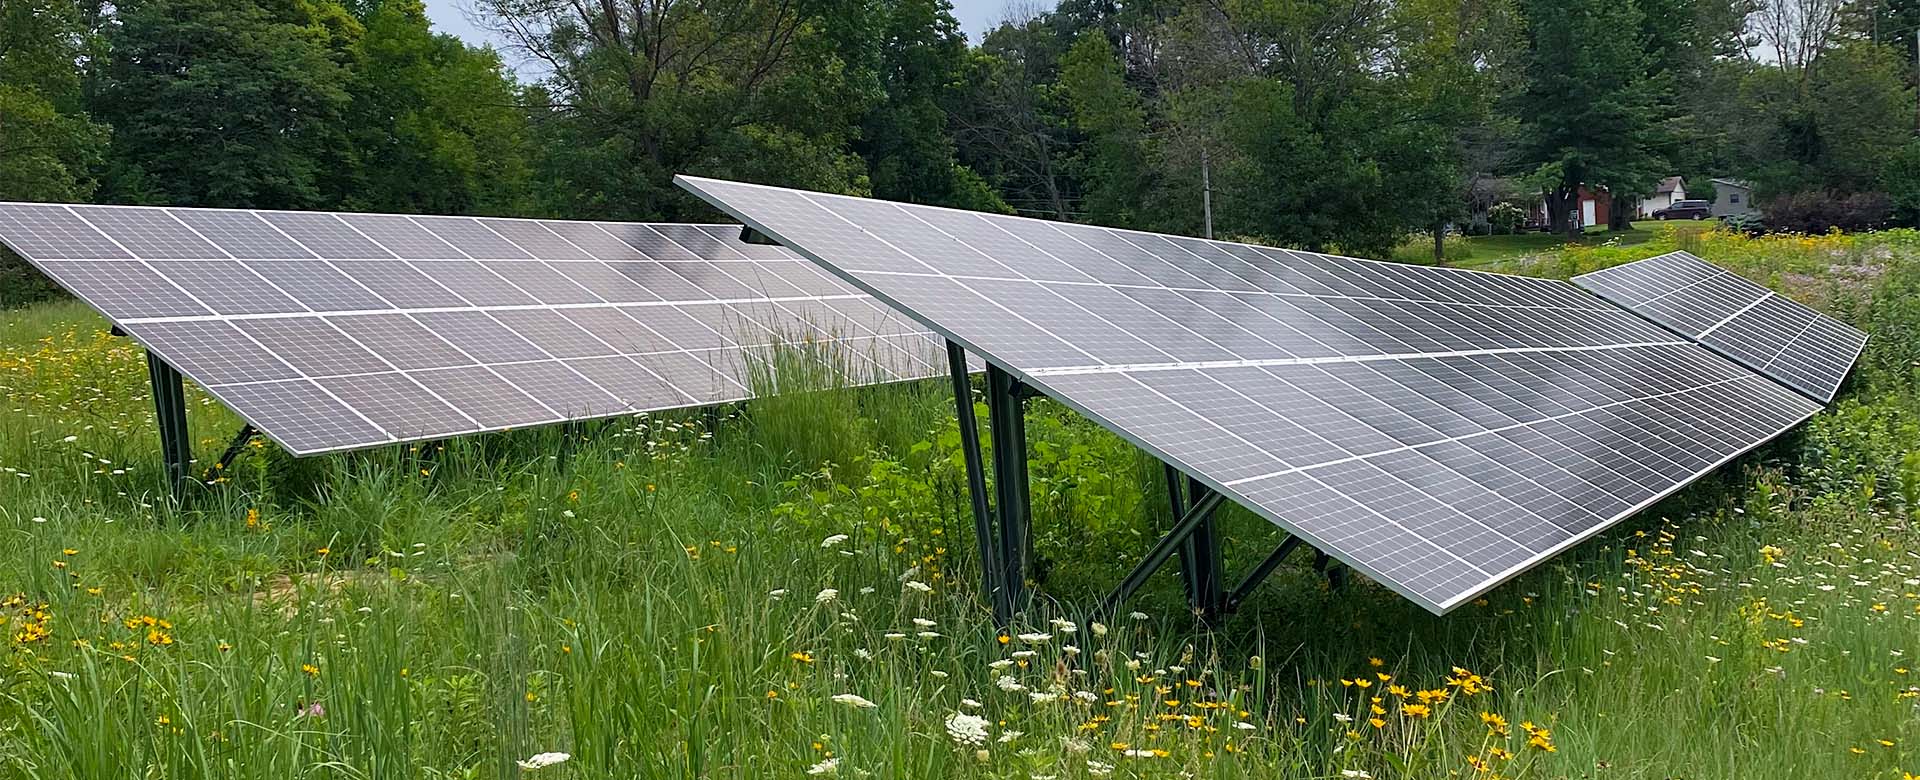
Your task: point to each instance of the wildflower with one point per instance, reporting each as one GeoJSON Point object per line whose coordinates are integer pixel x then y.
{"type": "Point", "coordinates": [920, 586]}
{"type": "Point", "coordinates": [970, 703]}
{"type": "Point", "coordinates": [1099, 629]}
{"type": "Point", "coordinates": [1035, 638]}
{"type": "Point", "coordinates": [1099, 769]}
{"type": "Point", "coordinates": [1356, 774]}
{"type": "Point", "coordinates": [1137, 615]}
{"type": "Point", "coordinates": [825, 767]}
{"type": "Point", "coordinates": [310, 670]}
{"type": "Point", "coordinates": [543, 760]}
{"type": "Point", "coordinates": [833, 541]}
{"type": "Point", "coordinates": [1421, 711]}
{"type": "Point", "coordinates": [826, 595]}
{"type": "Point", "coordinates": [776, 594]}
{"type": "Point", "coordinates": [802, 657]}
{"type": "Point", "coordinates": [314, 710]}
{"type": "Point", "coordinates": [855, 701]}
{"type": "Point", "coordinates": [1343, 717]}
{"type": "Point", "coordinates": [1376, 663]}
{"type": "Point", "coordinates": [1008, 684]}
{"type": "Point", "coordinates": [1376, 723]}
{"type": "Point", "coordinates": [967, 730]}
{"type": "Point", "coordinates": [1495, 723]}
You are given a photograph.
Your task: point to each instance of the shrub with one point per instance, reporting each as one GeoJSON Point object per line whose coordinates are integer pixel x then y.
{"type": "Point", "coordinates": [1819, 212]}
{"type": "Point", "coordinates": [21, 283]}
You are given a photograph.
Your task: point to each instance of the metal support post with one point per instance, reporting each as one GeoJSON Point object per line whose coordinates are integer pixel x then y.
{"type": "Point", "coordinates": [170, 406]}
{"type": "Point", "coordinates": [1006, 422]}
{"type": "Point", "coordinates": [1164, 549]}
{"type": "Point", "coordinates": [977, 481]}
{"type": "Point", "coordinates": [1200, 563]}
{"type": "Point", "coordinates": [1260, 573]}
{"type": "Point", "coordinates": [1325, 564]}
{"type": "Point", "coordinates": [239, 445]}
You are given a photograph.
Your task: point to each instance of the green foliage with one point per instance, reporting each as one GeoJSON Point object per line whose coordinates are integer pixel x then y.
{"type": "Point", "coordinates": [218, 103]}
{"type": "Point", "coordinates": [1590, 106]}
{"type": "Point", "coordinates": [48, 146]}
{"type": "Point", "coordinates": [436, 125]}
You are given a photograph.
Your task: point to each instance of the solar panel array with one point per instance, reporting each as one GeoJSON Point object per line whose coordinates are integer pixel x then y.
{"type": "Point", "coordinates": [1761, 329]}
{"type": "Point", "coordinates": [1438, 430]}
{"type": "Point", "coordinates": [339, 331]}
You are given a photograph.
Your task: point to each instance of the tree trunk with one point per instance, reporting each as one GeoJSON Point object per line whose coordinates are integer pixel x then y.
{"type": "Point", "coordinates": [1439, 242]}
{"type": "Point", "coordinates": [1620, 212]}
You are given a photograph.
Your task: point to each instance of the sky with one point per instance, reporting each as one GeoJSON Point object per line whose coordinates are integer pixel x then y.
{"type": "Point", "coordinates": [976, 17]}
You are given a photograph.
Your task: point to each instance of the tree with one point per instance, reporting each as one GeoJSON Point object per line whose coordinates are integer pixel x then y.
{"type": "Point", "coordinates": [1590, 109]}
{"type": "Point", "coordinates": [1114, 161]}
{"type": "Point", "coordinates": [904, 139]}
{"type": "Point", "coordinates": [765, 90]}
{"type": "Point", "coordinates": [435, 125]}
{"type": "Point", "coordinates": [227, 102]}
{"type": "Point", "coordinates": [48, 145]}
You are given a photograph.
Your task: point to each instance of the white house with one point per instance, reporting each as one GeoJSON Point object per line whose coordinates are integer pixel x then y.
{"type": "Point", "coordinates": [1732, 198]}
{"type": "Point", "coordinates": [1671, 189]}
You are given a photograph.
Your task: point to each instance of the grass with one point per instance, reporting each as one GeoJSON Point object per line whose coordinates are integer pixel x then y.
{"type": "Point", "coordinates": [659, 600]}
{"type": "Point", "coordinates": [1490, 252]}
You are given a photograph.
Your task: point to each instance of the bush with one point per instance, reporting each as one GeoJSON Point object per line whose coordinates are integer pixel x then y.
{"type": "Point", "coordinates": [21, 283]}
{"type": "Point", "coordinates": [1819, 212]}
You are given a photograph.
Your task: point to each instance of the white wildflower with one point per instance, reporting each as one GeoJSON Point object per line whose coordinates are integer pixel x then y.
{"type": "Point", "coordinates": [1099, 769]}
{"type": "Point", "coordinates": [543, 760]}
{"type": "Point", "coordinates": [967, 730]}
{"type": "Point", "coordinates": [1136, 615]}
{"type": "Point", "coordinates": [1064, 626]}
{"type": "Point", "coordinates": [826, 595]}
{"type": "Point", "coordinates": [776, 594]}
{"type": "Point", "coordinates": [999, 664]}
{"type": "Point", "coordinates": [833, 541]}
{"type": "Point", "coordinates": [1099, 629]}
{"type": "Point", "coordinates": [1343, 717]}
{"type": "Point", "coordinates": [1035, 638]}
{"type": "Point", "coordinates": [970, 703]}
{"type": "Point", "coordinates": [924, 623]}
{"type": "Point", "coordinates": [1008, 684]}
{"type": "Point", "coordinates": [894, 635]}
{"type": "Point", "coordinates": [1043, 698]}
{"type": "Point", "coordinates": [855, 701]}
{"type": "Point", "coordinates": [1010, 735]}
{"type": "Point", "coordinates": [1244, 726]}
{"type": "Point", "coordinates": [920, 586]}
{"type": "Point", "coordinates": [1356, 774]}
{"type": "Point", "coordinates": [827, 767]}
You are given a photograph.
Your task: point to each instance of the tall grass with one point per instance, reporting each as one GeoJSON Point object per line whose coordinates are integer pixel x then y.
{"type": "Point", "coordinates": [669, 601]}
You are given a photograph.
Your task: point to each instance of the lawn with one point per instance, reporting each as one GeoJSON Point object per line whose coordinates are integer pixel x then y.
{"type": "Point", "coordinates": [792, 594]}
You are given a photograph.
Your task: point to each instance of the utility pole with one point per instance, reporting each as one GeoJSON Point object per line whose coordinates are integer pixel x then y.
{"type": "Point", "coordinates": [1206, 191]}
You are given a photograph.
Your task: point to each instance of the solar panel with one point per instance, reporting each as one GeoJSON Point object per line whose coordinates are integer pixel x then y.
{"type": "Point", "coordinates": [1439, 430]}
{"type": "Point", "coordinates": [1763, 330]}
{"type": "Point", "coordinates": [333, 332]}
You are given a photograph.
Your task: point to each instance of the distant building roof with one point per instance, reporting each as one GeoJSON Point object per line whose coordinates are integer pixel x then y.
{"type": "Point", "coordinates": [1667, 185]}
{"type": "Point", "coordinates": [1734, 183]}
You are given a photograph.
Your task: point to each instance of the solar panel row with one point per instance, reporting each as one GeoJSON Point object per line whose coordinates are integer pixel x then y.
{"type": "Point", "coordinates": [1761, 329]}
{"type": "Point", "coordinates": [1439, 430]}
{"type": "Point", "coordinates": [338, 331]}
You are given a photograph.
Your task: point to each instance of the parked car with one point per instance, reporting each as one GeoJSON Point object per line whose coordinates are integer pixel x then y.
{"type": "Point", "coordinates": [1685, 209]}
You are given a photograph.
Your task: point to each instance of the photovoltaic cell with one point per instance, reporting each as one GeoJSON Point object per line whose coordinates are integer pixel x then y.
{"type": "Point", "coordinates": [1439, 430]}
{"type": "Point", "coordinates": [1761, 329]}
{"type": "Point", "coordinates": [339, 331]}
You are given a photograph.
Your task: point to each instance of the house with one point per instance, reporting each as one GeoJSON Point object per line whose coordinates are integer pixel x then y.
{"type": "Point", "coordinates": [1671, 189]}
{"type": "Point", "coordinates": [1732, 198]}
{"type": "Point", "coordinates": [1595, 207]}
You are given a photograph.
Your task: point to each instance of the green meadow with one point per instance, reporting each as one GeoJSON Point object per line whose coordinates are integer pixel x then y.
{"type": "Point", "coordinates": [789, 589]}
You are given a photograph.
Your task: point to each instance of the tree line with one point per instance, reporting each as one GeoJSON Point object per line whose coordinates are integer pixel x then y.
{"type": "Point", "coordinates": [1324, 124]}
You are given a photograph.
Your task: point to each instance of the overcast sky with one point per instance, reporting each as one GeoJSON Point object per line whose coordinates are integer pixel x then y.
{"type": "Point", "coordinates": [975, 16]}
